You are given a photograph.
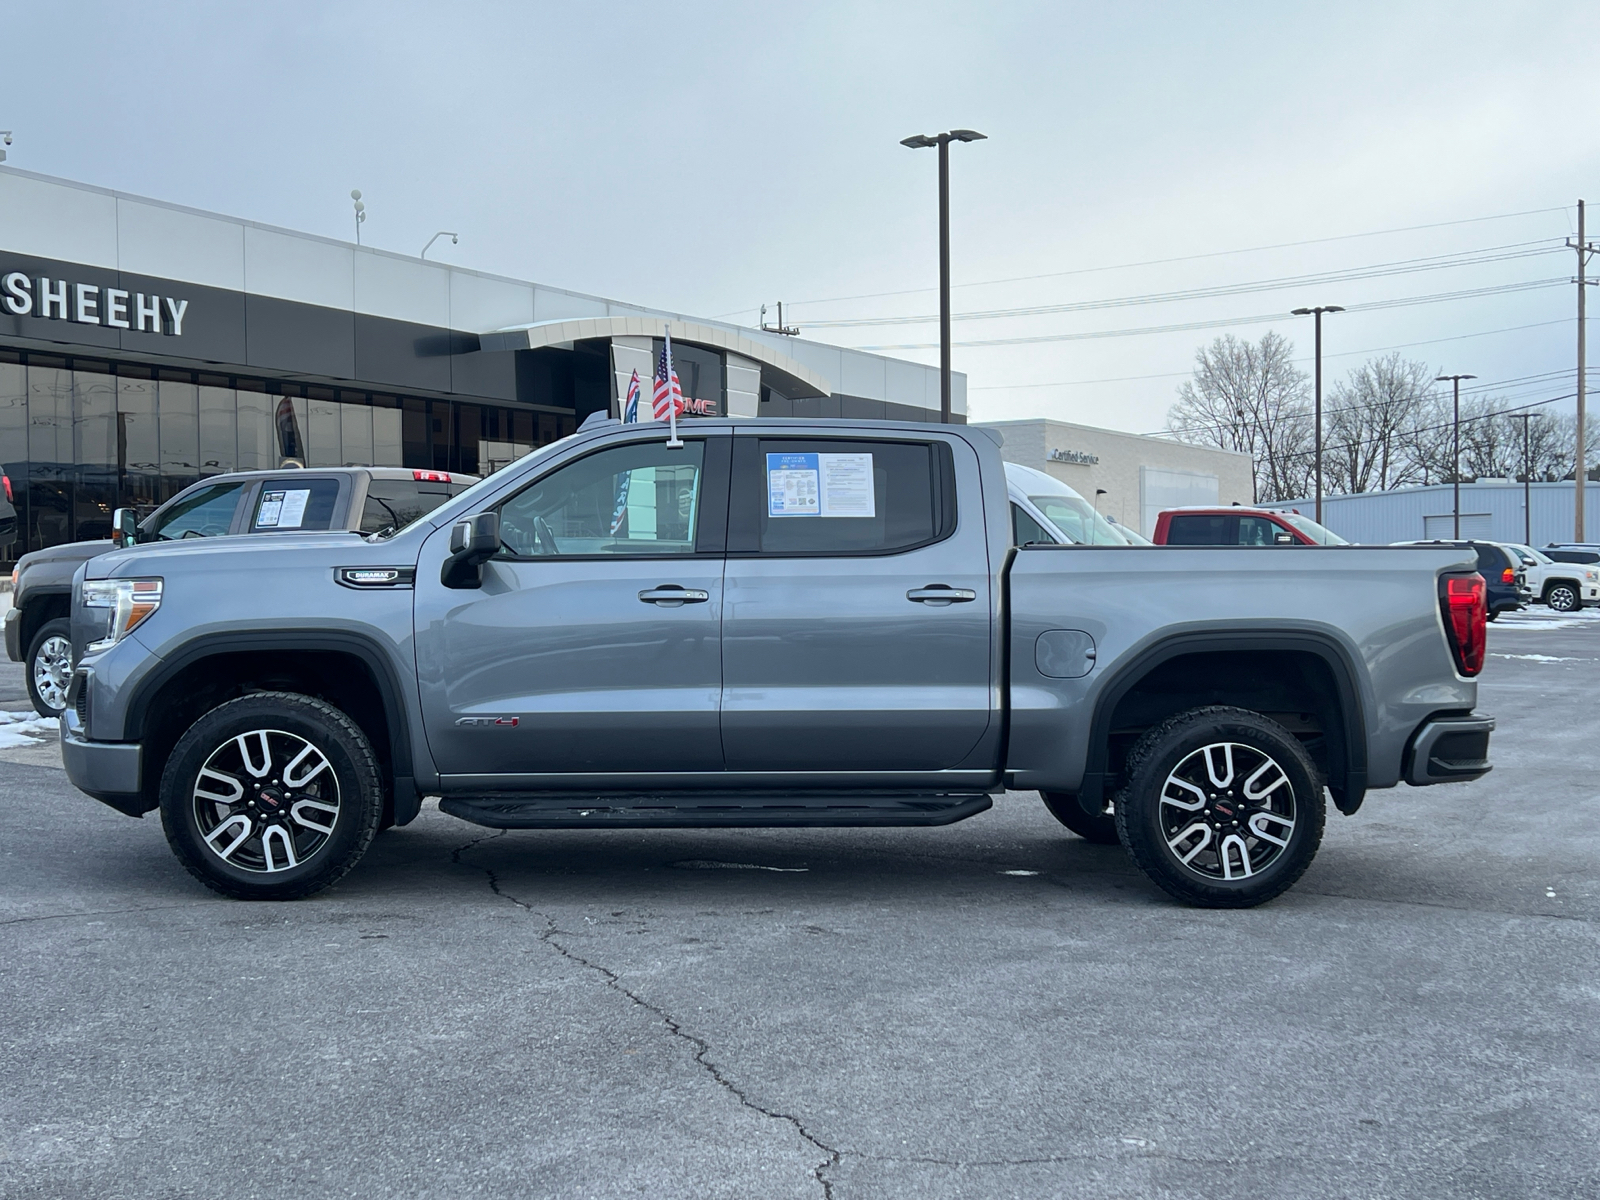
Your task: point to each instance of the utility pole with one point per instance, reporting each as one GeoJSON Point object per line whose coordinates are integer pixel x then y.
{"type": "Point", "coordinates": [1317, 468]}
{"type": "Point", "coordinates": [942, 141]}
{"type": "Point", "coordinates": [1579, 465]}
{"type": "Point", "coordinates": [1455, 472]}
{"type": "Point", "coordinates": [1527, 481]}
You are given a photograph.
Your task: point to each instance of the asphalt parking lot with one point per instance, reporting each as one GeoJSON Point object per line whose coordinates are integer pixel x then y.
{"type": "Point", "coordinates": [990, 1010]}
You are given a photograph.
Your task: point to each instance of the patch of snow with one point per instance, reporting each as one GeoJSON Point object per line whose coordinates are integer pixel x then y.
{"type": "Point", "coordinates": [19, 729]}
{"type": "Point", "coordinates": [707, 864]}
{"type": "Point", "coordinates": [1540, 658]}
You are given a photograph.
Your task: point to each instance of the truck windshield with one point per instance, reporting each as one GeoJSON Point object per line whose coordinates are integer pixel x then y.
{"type": "Point", "coordinates": [1077, 519]}
{"type": "Point", "coordinates": [1323, 537]}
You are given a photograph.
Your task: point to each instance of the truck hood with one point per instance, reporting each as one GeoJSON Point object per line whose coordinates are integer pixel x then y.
{"type": "Point", "coordinates": [268, 551]}
{"type": "Point", "coordinates": [71, 552]}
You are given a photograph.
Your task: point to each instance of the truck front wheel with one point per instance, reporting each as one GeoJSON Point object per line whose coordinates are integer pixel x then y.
{"type": "Point", "coordinates": [1223, 808]}
{"type": "Point", "coordinates": [1101, 828]}
{"type": "Point", "coordinates": [272, 796]}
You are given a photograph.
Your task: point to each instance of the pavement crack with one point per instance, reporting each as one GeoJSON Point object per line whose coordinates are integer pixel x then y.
{"type": "Point", "coordinates": [702, 1048]}
{"type": "Point", "coordinates": [105, 912]}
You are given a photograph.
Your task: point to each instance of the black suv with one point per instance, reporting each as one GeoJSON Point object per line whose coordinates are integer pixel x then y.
{"type": "Point", "coordinates": [366, 500]}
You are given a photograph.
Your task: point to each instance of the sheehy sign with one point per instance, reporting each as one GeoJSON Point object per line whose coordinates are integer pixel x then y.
{"type": "Point", "coordinates": [90, 304]}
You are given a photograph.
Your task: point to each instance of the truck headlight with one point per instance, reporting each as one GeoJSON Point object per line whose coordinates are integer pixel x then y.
{"type": "Point", "coordinates": [1591, 576]}
{"type": "Point", "coordinates": [130, 602]}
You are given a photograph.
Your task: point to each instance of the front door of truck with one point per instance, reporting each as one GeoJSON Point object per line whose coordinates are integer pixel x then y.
{"type": "Point", "coordinates": [857, 605]}
{"type": "Point", "coordinates": [594, 644]}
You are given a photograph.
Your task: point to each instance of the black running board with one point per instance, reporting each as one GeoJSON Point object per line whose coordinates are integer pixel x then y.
{"type": "Point", "coordinates": [703, 811]}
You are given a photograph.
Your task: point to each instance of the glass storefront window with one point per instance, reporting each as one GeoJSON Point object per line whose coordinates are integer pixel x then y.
{"type": "Point", "coordinates": [257, 451]}
{"type": "Point", "coordinates": [355, 435]}
{"type": "Point", "coordinates": [322, 434]}
{"type": "Point", "coordinates": [219, 435]}
{"type": "Point", "coordinates": [138, 445]}
{"type": "Point", "coordinates": [178, 409]}
{"type": "Point", "coordinates": [387, 443]}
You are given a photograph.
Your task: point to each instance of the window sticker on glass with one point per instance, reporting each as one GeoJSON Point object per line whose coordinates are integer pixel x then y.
{"type": "Point", "coordinates": [282, 510]}
{"type": "Point", "coordinates": [792, 487]}
{"type": "Point", "coordinates": [820, 485]}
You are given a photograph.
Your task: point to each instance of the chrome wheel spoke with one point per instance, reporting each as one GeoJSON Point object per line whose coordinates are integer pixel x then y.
{"type": "Point", "coordinates": [313, 769]}
{"type": "Point", "coordinates": [1225, 765]}
{"type": "Point", "coordinates": [238, 826]}
{"type": "Point", "coordinates": [1199, 834]}
{"type": "Point", "coordinates": [305, 810]}
{"type": "Point", "coordinates": [286, 857]}
{"type": "Point", "coordinates": [259, 737]}
{"type": "Point", "coordinates": [1272, 827]}
{"type": "Point", "coordinates": [233, 795]}
{"type": "Point", "coordinates": [1234, 854]}
{"type": "Point", "coordinates": [1266, 779]}
{"type": "Point", "coordinates": [1195, 801]}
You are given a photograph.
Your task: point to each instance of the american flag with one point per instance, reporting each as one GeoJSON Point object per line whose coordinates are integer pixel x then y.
{"type": "Point", "coordinates": [667, 401]}
{"type": "Point", "coordinates": [630, 406]}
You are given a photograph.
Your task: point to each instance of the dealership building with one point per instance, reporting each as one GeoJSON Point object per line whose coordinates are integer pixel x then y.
{"type": "Point", "coordinates": [144, 345]}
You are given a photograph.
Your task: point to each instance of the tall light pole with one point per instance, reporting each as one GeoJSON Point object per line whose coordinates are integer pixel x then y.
{"type": "Point", "coordinates": [1580, 462]}
{"type": "Point", "coordinates": [361, 212]}
{"type": "Point", "coordinates": [1455, 473]}
{"type": "Point", "coordinates": [942, 140]}
{"type": "Point", "coordinates": [1317, 469]}
{"type": "Point", "coordinates": [1527, 481]}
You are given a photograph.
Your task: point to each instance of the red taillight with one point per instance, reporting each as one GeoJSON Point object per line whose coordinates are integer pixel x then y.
{"type": "Point", "coordinates": [1508, 576]}
{"type": "Point", "coordinates": [6, 479]}
{"type": "Point", "coordinates": [1466, 619]}
{"type": "Point", "coordinates": [431, 476]}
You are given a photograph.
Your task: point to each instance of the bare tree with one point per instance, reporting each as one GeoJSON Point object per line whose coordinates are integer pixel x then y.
{"type": "Point", "coordinates": [1365, 444]}
{"type": "Point", "coordinates": [1250, 397]}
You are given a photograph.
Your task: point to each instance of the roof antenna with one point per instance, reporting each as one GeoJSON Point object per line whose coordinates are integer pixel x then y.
{"type": "Point", "coordinates": [780, 327]}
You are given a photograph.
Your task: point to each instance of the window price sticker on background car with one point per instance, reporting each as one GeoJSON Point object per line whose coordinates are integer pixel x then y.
{"type": "Point", "coordinates": [282, 510]}
{"type": "Point", "coordinates": [820, 485]}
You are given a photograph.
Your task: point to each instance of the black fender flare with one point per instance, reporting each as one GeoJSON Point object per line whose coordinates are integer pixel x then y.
{"type": "Point", "coordinates": [1347, 750]}
{"type": "Point", "coordinates": [407, 800]}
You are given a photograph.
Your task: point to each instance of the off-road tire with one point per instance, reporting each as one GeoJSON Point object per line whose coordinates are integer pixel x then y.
{"type": "Point", "coordinates": [57, 631]}
{"type": "Point", "coordinates": [1161, 750]}
{"type": "Point", "coordinates": [1563, 598]}
{"type": "Point", "coordinates": [1064, 807]}
{"type": "Point", "coordinates": [349, 755]}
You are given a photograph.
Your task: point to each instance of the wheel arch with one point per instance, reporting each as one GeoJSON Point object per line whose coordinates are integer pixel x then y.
{"type": "Point", "coordinates": [215, 667]}
{"type": "Point", "coordinates": [40, 609]}
{"type": "Point", "coordinates": [1342, 715]}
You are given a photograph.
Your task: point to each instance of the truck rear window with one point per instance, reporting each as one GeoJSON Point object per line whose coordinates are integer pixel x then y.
{"type": "Point", "coordinates": [1203, 530]}
{"type": "Point", "coordinates": [395, 503]}
{"type": "Point", "coordinates": [294, 504]}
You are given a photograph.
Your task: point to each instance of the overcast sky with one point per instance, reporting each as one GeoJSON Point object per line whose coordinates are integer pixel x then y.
{"type": "Point", "coordinates": [708, 158]}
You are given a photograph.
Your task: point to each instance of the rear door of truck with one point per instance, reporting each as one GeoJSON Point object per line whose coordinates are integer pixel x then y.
{"type": "Point", "coordinates": [857, 603]}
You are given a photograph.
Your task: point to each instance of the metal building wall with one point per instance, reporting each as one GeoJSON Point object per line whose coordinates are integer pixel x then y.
{"type": "Point", "coordinates": [1488, 510]}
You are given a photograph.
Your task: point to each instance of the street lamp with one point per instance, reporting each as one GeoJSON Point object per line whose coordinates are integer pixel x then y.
{"type": "Point", "coordinates": [942, 140]}
{"type": "Point", "coordinates": [442, 233]}
{"type": "Point", "coordinates": [1455, 474]}
{"type": "Point", "coordinates": [1317, 469]}
{"type": "Point", "coordinates": [361, 212]}
{"type": "Point", "coordinates": [1527, 479]}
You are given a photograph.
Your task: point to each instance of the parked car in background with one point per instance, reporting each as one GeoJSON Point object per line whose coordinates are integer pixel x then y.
{"type": "Point", "coordinates": [1564, 586]}
{"type": "Point", "coordinates": [363, 500]}
{"type": "Point", "coordinates": [1236, 525]}
{"type": "Point", "coordinates": [1046, 511]}
{"type": "Point", "coordinates": [1573, 552]}
{"type": "Point", "coordinates": [1500, 568]}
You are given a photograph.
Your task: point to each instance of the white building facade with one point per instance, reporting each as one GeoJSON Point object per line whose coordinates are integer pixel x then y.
{"type": "Point", "coordinates": [1128, 476]}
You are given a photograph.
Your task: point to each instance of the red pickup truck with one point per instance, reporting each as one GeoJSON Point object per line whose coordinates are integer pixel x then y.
{"type": "Point", "coordinates": [1235, 525]}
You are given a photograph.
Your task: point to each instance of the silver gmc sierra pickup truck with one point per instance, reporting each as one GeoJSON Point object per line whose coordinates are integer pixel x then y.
{"type": "Point", "coordinates": [775, 623]}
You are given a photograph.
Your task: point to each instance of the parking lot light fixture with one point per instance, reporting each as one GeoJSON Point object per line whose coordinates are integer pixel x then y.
{"type": "Point", "coordinates": [1455, 425]}
{"type": "Point", "coordinates": [923, 141]}
{"type": "Point", "coordinates": [1317, 420]}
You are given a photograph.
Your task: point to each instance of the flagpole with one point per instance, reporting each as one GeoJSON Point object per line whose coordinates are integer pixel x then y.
{"type": "Point", "coordinates": [673, 441]}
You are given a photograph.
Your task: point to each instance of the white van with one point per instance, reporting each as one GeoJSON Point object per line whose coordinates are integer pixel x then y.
{"type": "Point", "coordinates": [1043, 509]}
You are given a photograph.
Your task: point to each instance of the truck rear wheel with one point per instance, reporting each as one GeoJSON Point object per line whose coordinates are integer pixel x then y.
{"type": "Point", "coordinates": [1101, 829]}
{"type": "Point", "coordinates": [1223, 808]}
{"type": "Point", "coordinates": [272, 796]}
{"type": "Point", "coordinates": [1563, 597]}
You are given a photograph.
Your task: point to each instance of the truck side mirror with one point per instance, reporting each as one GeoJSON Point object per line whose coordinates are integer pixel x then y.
{"type": "Point", "coordinates": [473, 542]}
{"type": "Point", "coordinates": [124, 527]}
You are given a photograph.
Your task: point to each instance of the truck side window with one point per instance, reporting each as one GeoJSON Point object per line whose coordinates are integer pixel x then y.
{"type": "Point", "coordinates": [207, 512]}
{"type": "Point", "coordinates": [833, 496]}
{"type": "Point", "coordinates": [1025, 529]}
{"type": "Point", "coordinates": [395, 503]}
{"type": "Point", "coordinates": [294, 504]}
{"type": "Point", "coordinates": [638, 499]}
{"type": "Point", "coordinates": [1258, 531]}
{"type": "Point", "coordinates": [1201, 529]}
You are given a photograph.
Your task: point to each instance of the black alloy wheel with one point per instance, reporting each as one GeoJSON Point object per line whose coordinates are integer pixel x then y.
{"type": "Point", "coordinates": [1100, 828]}
{"type": "Point", "coordinates": [48, 667]}
{"type": "Point", "coordinates": [272, 796]}
{"type": "Point", "coordinates": [1222, 808]}
{"type": "Point", "coordinates": [1563, 597]}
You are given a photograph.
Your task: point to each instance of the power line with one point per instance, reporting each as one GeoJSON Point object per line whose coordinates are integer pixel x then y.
{"type": "Point", "coordinates": [1490, 254]}
{"type": "Point", "coordinates": [1225, 322]}
{"type": "Point", "coordinates": [999, 387]}
{"type": "Point", "coordinates": [1158, 262]}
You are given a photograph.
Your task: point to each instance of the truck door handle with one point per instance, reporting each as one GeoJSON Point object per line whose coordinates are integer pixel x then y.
{"type": "Point", "coordinates": [941, 594]}
{"type": "Point", "coordinates": [671, 595]}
